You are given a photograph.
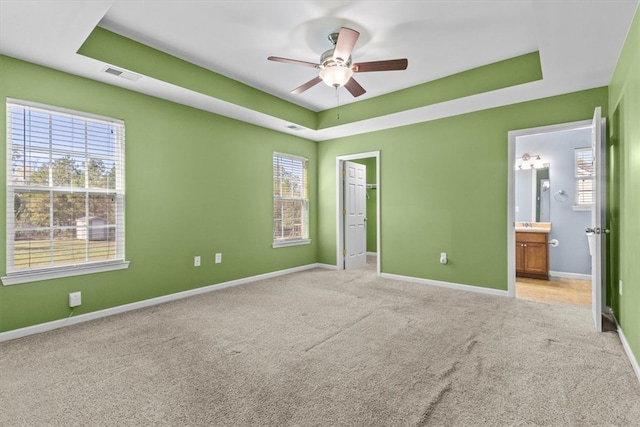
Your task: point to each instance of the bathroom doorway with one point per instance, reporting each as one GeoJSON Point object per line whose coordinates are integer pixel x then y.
{"type": "Point", "coordinates": [371, 163]}
{"type": "Point", "coordinates": [552, 190]}
{"type": "Point", "coordinates": [545, 193]}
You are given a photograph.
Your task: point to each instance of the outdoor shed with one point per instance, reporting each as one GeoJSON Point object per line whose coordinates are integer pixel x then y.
{"type": "Point", "coordinates": [91, 227]}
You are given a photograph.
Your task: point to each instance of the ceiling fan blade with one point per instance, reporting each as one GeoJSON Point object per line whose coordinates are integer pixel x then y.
{"type": "Point", "coordinates": [389, 65]}
{"type": "Point", "coordinates": [311, 83]}
{"type": "Point", "coordinates": [293, 61]}
{"type": "Point", "coordinates": [354, 88]}
{"type": "Point", "coordinates": [347, 39]}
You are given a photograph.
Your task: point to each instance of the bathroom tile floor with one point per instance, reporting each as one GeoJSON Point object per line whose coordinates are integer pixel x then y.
{"type": "Point", "coordinates": [567, 291]}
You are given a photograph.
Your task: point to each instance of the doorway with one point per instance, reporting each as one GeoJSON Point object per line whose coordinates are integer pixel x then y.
{"type": "Point", "coordinates": [373, 218]}
{"type": "Point", "coordinates": [552, 191]}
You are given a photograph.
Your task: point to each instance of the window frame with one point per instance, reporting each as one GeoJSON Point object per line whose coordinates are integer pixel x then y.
{"type": "Point", "coordinates": [303, 239]}
{"type": "Point", "coordinates": [30, 274]}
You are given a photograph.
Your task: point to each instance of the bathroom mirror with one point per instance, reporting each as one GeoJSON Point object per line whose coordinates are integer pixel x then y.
{"type": "Point", "coordinates": [533, 195]}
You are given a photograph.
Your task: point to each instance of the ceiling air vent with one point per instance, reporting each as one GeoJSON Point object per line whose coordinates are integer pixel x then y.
{"type": "Point", "coordinates": [294, 127]}
{"type": "Point", "coordinates": [120, 73]}
{"type": "Point", "coordinates": [113, 71]}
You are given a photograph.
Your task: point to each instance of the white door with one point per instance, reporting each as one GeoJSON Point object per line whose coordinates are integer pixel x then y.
{"type": "Point", "coordinates": [355, 215]}
{"type": "Point", "coordinates": [597, 219]}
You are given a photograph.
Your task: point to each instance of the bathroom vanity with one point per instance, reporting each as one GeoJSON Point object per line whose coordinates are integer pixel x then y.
{"type": "Point", "coordinates": [532, 251]}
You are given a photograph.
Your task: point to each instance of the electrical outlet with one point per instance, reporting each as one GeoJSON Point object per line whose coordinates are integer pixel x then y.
{"type": "Point", "coordinates": [620, 286]}
{"type": "Point", "coordinates": [196, 261]}
{"type": "Point", "coordinates": [75, 299]}
{"type": "Point", "coordinates": [443, 257]}
{"type": "Point", "coordinates": [218, 258]}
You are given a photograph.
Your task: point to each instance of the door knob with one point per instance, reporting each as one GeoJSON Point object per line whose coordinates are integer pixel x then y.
{"type": "Point", "coordinates": [597, 230]}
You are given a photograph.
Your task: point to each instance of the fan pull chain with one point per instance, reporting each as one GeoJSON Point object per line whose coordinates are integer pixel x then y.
{"type": "Point", "coordinates": [338, 103]}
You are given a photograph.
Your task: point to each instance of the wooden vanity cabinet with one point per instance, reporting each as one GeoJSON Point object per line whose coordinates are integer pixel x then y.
{"type": "Point", "coordinates": [532, 255]}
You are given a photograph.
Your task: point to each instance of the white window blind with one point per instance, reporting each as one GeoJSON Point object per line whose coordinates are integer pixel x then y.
{"type": "Point", "coordinates": [65, 189]}
{"type": "Point", "coordinates": [584, 173]}
{"type": "Point", "coordinates": [290, 200]}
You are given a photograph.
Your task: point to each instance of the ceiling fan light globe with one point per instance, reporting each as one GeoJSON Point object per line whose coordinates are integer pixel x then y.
{"type": "Point", "coordinates": [336, 76]}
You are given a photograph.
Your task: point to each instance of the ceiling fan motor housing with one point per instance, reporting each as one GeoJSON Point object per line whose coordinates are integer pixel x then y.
{"type": "Point", "coordinates": [333, 71]}
{"type": "Point", "coordinates": [327, 60]}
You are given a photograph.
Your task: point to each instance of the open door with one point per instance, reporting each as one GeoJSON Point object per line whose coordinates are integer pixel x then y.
{"type": "Point", "coordinates": [597, 228]}
{"type": "Point", "coordinates": [355, 215]}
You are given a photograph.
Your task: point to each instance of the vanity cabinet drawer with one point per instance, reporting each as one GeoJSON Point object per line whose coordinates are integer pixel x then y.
{"type": "Point", "coordinates": [531, 237]}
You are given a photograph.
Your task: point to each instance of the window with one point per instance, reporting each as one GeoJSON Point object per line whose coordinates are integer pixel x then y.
{"type": "Point", "coordinates": [290, 200]}
{"type": "Point", "coordinates": [65, 193]}
{"type": "Point", "coordinates": [584, 168]}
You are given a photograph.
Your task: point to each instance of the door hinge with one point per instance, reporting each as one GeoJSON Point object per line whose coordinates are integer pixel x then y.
{"type": "Point", "coordinates": [344, 252]}
{"type": "Point", "coordinates": [344, 172]}
{"type": "Point", "coordinates": [344, 212]}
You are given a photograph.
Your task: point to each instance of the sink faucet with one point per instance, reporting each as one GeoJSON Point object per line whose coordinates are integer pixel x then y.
{"type": "Point", "coordinates": [526, 224]}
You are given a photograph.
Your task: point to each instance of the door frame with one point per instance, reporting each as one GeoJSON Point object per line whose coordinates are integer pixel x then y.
{"type": "Point", "coordinates": [599, 218]}
{"type": "Point", "coordinates": [340, 206]}
{"type": "Point", "coordinates": [511, 232]}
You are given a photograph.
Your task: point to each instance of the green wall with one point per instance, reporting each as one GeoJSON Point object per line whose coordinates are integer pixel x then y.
{"type": "Point", "coordinates": [117, 50]}
{"type": "Point", "coordinates": [114, 49]}
{"type": "Point", "coordinates": [498, 75]}
{"type": "Point", "coordinates": [624, 182]}
{"type": "Point", "coordinates": [196, 184]}
{"type": "Point", "coordinates": [444, 188]}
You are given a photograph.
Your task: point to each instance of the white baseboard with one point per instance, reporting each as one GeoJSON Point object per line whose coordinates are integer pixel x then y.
{"type": "Point", "coordinates": [563, 275]}
{"type": "Point", "coordinates": [449, 285]}
{"type": "Point", "coordinates": [625, 345]}
{"type": "Point", "coordinates": [630, 355]}
{"type": "Point", "coordinates": [327, 266]}
{"type": "Point", "coordinates": [56, 324]}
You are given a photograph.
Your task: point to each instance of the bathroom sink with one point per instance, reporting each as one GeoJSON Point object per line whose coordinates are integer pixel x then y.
{"type": "Point", "coordinates": [533, 227]}
{"type": "Point", "coordinates": [532, 230]}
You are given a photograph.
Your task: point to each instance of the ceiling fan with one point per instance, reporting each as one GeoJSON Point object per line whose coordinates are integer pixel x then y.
{"type": "Point", "coordinates": [336, 66]}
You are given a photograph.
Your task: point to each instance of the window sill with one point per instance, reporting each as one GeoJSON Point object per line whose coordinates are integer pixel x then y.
{"type": "Point", "coordinates": [291, 243]}
{"type": "Point", "coordinates": [57, 273]}
{"type": "Point", "coordinates": [582, 207]}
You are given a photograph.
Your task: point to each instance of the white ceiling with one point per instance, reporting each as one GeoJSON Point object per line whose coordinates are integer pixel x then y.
{"type": "Point", "coordinates": [579, 43]}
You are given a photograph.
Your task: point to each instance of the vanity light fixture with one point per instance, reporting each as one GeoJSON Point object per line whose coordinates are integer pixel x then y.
{"type": "Point", "coordinates": [538, 163]}
{"type": "Point", "coordinates": [530, 161]}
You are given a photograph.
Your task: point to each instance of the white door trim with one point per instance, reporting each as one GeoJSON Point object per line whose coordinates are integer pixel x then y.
{"type": "Point", "coordinates": [511, 197]}
{"type": "Point", "coordinates": [340, 206]}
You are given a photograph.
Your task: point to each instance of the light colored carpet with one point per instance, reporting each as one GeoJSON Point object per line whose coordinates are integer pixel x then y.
{"type": "Point", "coordinates": [324, 348]}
